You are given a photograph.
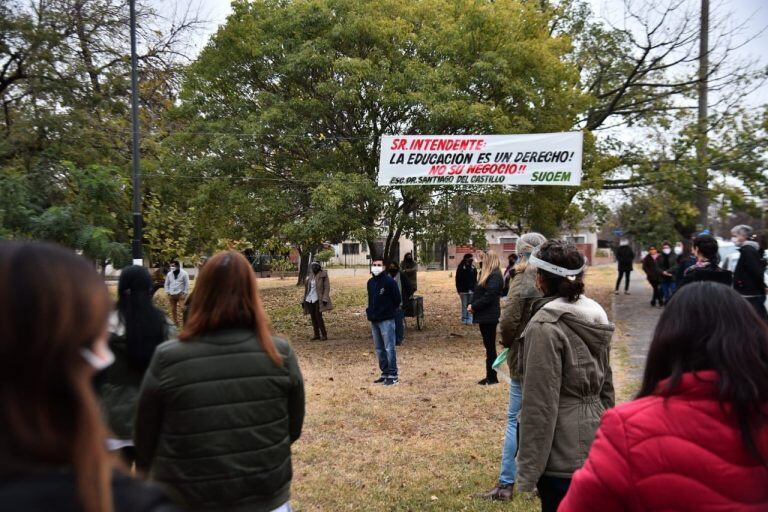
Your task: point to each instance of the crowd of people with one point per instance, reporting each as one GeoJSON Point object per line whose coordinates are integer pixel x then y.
{"type": "Point", "coordinates": [207, 415]}
{"type": "Point", "coordinates": [697, 260]}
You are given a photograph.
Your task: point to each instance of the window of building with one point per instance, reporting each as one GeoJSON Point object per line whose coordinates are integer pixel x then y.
{"type": "Point", "coordinates": [350, 248]}
{"type": "Point", "coordinates": [576, 239]}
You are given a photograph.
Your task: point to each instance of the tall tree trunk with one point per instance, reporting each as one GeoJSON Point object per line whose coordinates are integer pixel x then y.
{"type": "Point", "coordinates": [702, 163]}
{"type": "Point", "coordinates": [303, 266]}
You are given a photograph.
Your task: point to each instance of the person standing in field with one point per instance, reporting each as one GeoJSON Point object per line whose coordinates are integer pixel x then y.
{"type": "Point", "coordinates": [466, 280]}
{"type": "Point", "coordinates": [409, 269]}
{"type": "Point", "coordinates": [177, 288]}
{"type": "Point", "coordinates": [393, 269]}
{"type": "Point", "coordinates": [136, 328]}
{"type": "Point", "coordinates": [625, 258]}
{"type": "Point", "coordinates": [515, 314]}
{"type": "Point", "coordinates": [220, 407]}
{"type": "Point", "coordinates": [567, 382]}
{"type": "Point", "coordinates": [749, 275]}
{"type": "Point", "coordinates": [653, 274]}
{"type": "Point", "coordinates": [384, 299]}
{"type": "Point", "coordinates": [485, 310]}
{"type": "Point", "coordinates": [695, 439]}
{"type": "Point", "coordinates": [317, 299]}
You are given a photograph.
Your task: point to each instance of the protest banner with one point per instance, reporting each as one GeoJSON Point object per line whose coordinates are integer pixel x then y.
{"type": "Point", "coordinates": [531, 159]}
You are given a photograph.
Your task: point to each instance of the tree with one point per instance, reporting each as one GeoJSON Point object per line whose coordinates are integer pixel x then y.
{"type": "Point", "coordinates": [289, 100]}
{"type": "Point", "coordinates": [64, 92]}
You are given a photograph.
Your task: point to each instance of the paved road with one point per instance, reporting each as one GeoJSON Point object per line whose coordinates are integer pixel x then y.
{"type": "Point", "coordinates": [638, 320]}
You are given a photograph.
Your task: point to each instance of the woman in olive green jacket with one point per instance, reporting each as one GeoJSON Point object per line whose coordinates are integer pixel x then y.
{"type": "Point", "coordinates": [567, 382]}
{"type": "Point", "coordinates": [220, 408]}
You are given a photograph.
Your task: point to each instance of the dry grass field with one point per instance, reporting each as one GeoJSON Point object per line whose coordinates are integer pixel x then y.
{"type": "Point", "coordinates": [427, 444]}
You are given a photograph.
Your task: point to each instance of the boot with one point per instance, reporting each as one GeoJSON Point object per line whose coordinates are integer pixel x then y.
{"type": "Point", "coordinates": [502, 492]}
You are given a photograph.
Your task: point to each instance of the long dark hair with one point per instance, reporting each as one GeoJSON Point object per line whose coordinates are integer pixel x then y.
{"type": "Point", "coordinates": [708, 326]}
{"type": "Point", "coordinates": [565, 255]}
{"type": "Point", "coordinates": [707, 247]}
{"type": "Point", "coordinates": [54, 305]}
{"type": "Point", "coordinates": [145, 325]}
{"type": "Point", "coordinates": [227, 297]}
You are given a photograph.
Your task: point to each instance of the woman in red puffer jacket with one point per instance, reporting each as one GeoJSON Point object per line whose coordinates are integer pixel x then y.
{"type": "Point", "coordinates": [696, 438]}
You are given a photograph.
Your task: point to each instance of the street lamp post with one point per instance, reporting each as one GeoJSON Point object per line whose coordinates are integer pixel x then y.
{"type": "Point", "coordinates": [137, 221]}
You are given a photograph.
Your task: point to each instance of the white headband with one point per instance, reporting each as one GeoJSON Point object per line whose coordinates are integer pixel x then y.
{"type": "Point", "coordinates": [567, 273]}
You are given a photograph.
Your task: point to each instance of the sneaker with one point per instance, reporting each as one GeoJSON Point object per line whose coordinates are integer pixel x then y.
{"type": "Point", "coordinates": [502, 492]}
{"type": "Point", "coordinates": [391, 381]}
{"type": "Point", "coordinates": [626, 293]}
{"type": "Point", "coordinates": [616, 292]}
{"type": "Point", "coordinates": [380, 380]}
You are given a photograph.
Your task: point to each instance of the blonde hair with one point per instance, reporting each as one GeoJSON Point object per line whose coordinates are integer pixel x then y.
{"type": "Point", "coordinates": [490, 263]}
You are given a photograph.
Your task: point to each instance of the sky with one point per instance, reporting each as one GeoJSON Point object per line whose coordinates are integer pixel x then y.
{"type": "Point", "coordinates": [752, 13]}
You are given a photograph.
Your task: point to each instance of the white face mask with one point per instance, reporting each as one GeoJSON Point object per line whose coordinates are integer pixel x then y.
{"type": "Point", "coordinates": [678, 250]}
{"type": "Point", "coordinates": [735, 241]}
{"type": "Point", "coordinates": [376, 270]}
{"type": "Point", "coordinates": [666, 250]}
{"type": "Point", "coordinates": [98, 363]}
{"type": "Point", "coordinates": [624, 242]}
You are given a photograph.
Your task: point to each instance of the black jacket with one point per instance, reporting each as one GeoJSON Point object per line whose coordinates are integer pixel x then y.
{"type": "Point", "coordinates": [708, 273]}
{"type": "Point", "coordinates": [485, 301]}
{"type": "Point", "coordinates": [216, 419]}
{"type": "Point", "coordinates": [667, 263]}
{"type": "Point", "coordinates": [466, 278]}
{"type": "Point", "coordinates": [383, 298]}
{"type": "Point", "coordinates": [56, 491]}
{"type": "Point", "coordinates": [624, 257]}
{"type": "Point", "coordinates": [748, 277]}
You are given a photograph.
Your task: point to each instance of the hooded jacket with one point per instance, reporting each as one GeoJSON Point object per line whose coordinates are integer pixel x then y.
{"type": "Point", "coordinates": [748, 277]}
{"type": "Point", "coordinates": [515, 313]}
{"type": "Point", "coordinates": [383, 298]}
{"type": "Point", "coordinates": [567, 385]}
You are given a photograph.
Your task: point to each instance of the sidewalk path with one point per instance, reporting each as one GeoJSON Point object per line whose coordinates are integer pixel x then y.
{"type": "Point", "coordinates": [637, 320]}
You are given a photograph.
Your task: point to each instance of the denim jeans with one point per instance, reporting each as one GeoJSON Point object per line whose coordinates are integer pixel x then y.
{"type": "Point", "coordinates": [466, 299]}
{"type": "Point", "coordinates": [667, 289]}
{"type": "Point", "coordinates": [384, 341]}
{"type": "Point", "coordinates": [399, 326]}
{"type": "Point", "coordinates": [508, 465]}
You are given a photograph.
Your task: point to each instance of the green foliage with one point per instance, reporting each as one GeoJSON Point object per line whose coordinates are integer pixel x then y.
{"type": "Point", "coordinates": [325, 255]}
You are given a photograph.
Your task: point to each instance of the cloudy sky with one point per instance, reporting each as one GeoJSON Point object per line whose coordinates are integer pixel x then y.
{"type": "Point", "coordinates": [751, 13]}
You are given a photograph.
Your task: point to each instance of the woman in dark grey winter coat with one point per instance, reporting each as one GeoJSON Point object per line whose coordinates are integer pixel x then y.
{"type": "Point", "coordinates": [485, 309]}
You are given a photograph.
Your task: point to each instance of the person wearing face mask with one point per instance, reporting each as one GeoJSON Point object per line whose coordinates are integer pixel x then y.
{"type": "Point", "coordinates": [177, 288]}
{"type": "Point", "coordinates": [404, 285]}
{"type": "Point", "coordinates": [317, 299]}
{"type": "Point", "coordinates": [685, 260]}
{"type": "Point", "coordinates": [384, 299]}
{"type": "Point", "coordinates": [653, 274]}
{"type": "Point", "coordinates": [485, 309]}
{"type": "Point", "coordinates": [625, 257]}
{"type": "Point", "coordinates": [748, 277]}
{"type": "Point", "coordinates": [466, 280]}
{"type": "Point", "coordinates": [667, 263]}
{"type": "Point", "coordinates": [53, 342]}
{"type": "Point", "coordinates": [136, 328]}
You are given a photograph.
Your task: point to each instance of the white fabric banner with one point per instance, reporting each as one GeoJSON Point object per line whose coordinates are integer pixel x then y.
{"type": "Point", "coordinates": [531, 159]}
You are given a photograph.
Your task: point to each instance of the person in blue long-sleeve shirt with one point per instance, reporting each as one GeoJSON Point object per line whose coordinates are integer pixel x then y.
{"type": "Point", "coordinates": [383, 301]}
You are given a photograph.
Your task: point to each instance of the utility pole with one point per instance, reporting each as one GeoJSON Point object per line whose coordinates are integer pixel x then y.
{"type": "Point", "coordinates": [137, 220]}
{"type": "Point", "coordinates": [702, 162]}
